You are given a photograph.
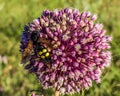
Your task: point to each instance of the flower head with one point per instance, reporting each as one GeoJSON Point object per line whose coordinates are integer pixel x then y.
{"type": "Point", "coordinates": [66, 49]}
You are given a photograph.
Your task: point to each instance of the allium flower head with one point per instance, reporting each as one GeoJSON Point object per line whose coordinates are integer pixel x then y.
{"type": "Point", "coordinates": [66, 49]}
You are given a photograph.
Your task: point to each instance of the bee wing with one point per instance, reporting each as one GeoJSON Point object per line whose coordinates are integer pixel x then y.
{"type": "Point", "coordinates": [27, 52]}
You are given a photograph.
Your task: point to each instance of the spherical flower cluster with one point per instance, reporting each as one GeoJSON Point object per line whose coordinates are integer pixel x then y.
{"type": "Point", "coordinates": [77, 46]}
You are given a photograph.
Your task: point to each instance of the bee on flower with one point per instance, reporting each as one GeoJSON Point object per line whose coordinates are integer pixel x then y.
{"type": "Point", "coordinates": [66, 49]}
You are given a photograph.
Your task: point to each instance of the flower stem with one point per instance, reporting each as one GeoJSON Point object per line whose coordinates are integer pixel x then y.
{"type": "Point", "coordinates": [57, 93]}
{"type": "Point", "coordinates": [83, 92]}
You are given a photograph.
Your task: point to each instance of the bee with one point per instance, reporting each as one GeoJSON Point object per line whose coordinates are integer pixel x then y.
{"type": "Point", "coordinates": [28, 51]}
{"type": "Point", "coordinates": [42, 47]}
{"type": "Point", "coordinates": [39, 47]}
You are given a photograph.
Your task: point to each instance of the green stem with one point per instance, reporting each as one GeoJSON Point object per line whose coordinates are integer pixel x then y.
{"type": "Point", "coordinates": [83, 92]}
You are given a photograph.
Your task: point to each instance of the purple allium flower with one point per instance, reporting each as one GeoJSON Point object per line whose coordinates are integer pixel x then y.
{"type": "Point", "coordinates": [76, 46]}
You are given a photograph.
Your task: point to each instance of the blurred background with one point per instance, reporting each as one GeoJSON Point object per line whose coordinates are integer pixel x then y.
{"type": "Point", "coordinates": [14, 14]}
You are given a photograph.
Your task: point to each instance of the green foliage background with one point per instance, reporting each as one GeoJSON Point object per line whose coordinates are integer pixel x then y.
{"type": "Point", "coordinates": [14, 14]}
